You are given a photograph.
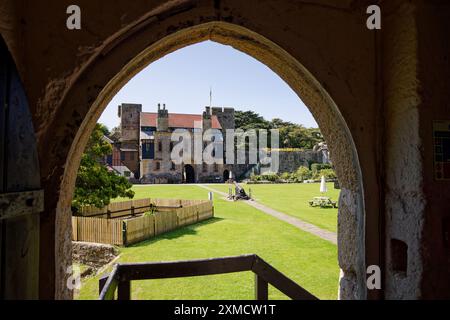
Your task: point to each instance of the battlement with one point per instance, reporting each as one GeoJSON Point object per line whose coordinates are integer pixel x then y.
{"type": "Point", "coordinates": [125, 109]}
{"type": "Point", "coordinates": [225, 116]}
{"type": "Point", "coordinates": [162, 113]}
{"type": "Point", "coordinates": [218, 110]}
{"type": "Point", "coordinates": [162, 122]}
{"type": "Point", "coordinates": [207, 113]}
{"type": "Point", "coordinates": [228, 110]}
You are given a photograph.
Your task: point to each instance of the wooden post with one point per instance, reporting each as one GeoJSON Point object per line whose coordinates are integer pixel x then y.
{"type": "Point", "coordinates": [108, 214]}
{"type": "Point", "coordinates": [124, 290]}
{"type": "Point", "coordinates": [261, 288]}
{"type": "Point", "coordinates": [132, 211]}
{"type": "Point", "coordinates": [102, 282]}
{"type": "Point", "coordinates": [124, 233]}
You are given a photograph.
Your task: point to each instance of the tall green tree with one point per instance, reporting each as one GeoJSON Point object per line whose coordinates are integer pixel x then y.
{"type": "Point", "coordinates": [292, 135]}
{"type": "Point", "coordinates": [95, 184]}
{"type": "Point", "coordinates": [115, 134]}
{"type": "Point", "coordinates": [250, 120]}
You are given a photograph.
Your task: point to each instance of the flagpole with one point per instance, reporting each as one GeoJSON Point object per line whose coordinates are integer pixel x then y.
{"type": "Point", "coordinates": [210, 96]}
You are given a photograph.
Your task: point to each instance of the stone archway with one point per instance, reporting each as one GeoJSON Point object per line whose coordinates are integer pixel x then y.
{"type": "Point", "coordinates": [351, 218]}
{"type": "Point", "coordinates": [226, 175]}
{"type": "Point", "coordinates": [190, 174]}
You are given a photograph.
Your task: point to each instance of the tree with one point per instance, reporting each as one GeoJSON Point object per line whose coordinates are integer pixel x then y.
{"type": "Point", "coordinates": [250, 120]}
{"type": "Point", "coordinates": [95, 185]}
{"type": "Point", "coordinates": [295, 135]}
{"type": "Point", "coordinates": [115, 134]}
{"type": "Point", "coordinates": [291, 135]}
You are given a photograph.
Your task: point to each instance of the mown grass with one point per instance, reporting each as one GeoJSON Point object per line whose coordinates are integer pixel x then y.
{"type": "Point", "coordinates": [236, 229]}
{"type": "Point", "coordinates": [293, 199]}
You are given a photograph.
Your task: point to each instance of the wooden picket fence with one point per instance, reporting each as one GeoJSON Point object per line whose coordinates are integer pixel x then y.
{"type": "Point", "coordinates": [98, 230]}
{"type": "Point", "coordinates": [123, 223]}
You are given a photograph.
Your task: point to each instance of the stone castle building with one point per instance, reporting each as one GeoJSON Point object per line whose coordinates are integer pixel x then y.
{"type": "Point", "coordinates": [146, 145]}
{"type": "Point", "coordinates": [145, 148]}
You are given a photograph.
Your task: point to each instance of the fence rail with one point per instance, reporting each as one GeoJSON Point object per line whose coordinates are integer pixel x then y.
{"type": "Point", "coordinates": [122, 275]}
{"type": "Point", "coordinates": [126, 225]}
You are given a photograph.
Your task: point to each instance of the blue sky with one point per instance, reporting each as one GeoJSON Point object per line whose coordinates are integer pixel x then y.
{"type": "Point", "coordinates": [182, 80]}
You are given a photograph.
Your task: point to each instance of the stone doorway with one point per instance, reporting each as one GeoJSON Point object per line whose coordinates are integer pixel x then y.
{"type": "Point", "coordinates": [189, 174]}
{"type": "Point", "coordinates": [226, 175]}
{"type": "Point", "coordinates": [351, 217]}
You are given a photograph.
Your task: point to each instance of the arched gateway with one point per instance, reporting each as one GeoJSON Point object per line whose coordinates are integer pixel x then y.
{"type": "Point", "coordinates": [226, 175]}
{"type": "Point", "coordinates": [375, 96]}
{"type": "Point", "coordinates": [321, 105]}
{"type": "Point", "coordinates": [189, 174]}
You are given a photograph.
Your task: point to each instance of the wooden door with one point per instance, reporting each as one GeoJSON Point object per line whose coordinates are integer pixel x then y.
{"type": "Point", "coordinates": [21, 199]}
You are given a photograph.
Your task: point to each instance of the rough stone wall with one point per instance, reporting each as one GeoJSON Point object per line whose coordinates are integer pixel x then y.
{"type": "Point", "coordinates": [350, 246]}
{"type": "Point", "coordinates": [164, 175]}
{"type": "Point", "coordinates": [290, 161]}
{"type": "Point", "coordinates": [226, 120]}
{"type": "Point", "coordinates": [210, 175]}
{"type": "Point", "coordinates": [93, 254]}
{"type": "Point", "coordinates": [162, 122]}
{"type": "Point", "coordinates": [162, 139]}
{"type": "Point", "coordinates": [130, 123]}
{"type": "Point", "coordinates": [404, 200]}
{"type": "Point", "coordinates": [225, 117]}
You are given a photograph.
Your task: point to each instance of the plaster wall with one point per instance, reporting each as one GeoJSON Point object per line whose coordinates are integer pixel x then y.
{"type": "Point", "coordinates": [433, 73]}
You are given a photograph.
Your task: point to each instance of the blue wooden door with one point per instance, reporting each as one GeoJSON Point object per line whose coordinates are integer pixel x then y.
{"type": "Point", "coordinates": [20, 196]}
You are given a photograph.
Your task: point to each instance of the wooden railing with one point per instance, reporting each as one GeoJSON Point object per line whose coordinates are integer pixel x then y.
{"type": "Point", "coordinates": [132, 211]}
{"type": "Point", "coordinates": [123, 273]}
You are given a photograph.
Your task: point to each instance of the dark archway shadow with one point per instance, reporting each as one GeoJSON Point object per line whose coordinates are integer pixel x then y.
{"type": "Point", "coordinates": [226, 175]}
{"type": "Point", "coordinates": [190, 174]}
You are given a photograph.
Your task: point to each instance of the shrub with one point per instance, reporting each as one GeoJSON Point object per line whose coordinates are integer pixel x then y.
{"type": "Point", "coordinates": [327, 173]}
{"type": "Point", "coordinates": [269, 176]}
{"type": "Point", "coordinates": [316, 167]}
{"type": "Point", "coordinates": [286, 176]}
{"type": "Point", "coordinates": [303, 173]}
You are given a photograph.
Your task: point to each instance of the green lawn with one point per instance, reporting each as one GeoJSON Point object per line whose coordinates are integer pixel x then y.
{"type": "Point", "coordinates": [293, 199]}
{"type": "Point", "coordinates": [236, 229]}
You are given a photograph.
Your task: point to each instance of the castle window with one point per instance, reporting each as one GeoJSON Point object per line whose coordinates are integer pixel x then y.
{"type": "Point", "coordinates": [160, 146]}
{"type": "Point", "coordinates": [157, 166]}
{"type": "Point", "coordinates": [172, 166]}
{"type": "Point", "coordinates": [122, 156]}
{"type": "Point", "coordinates": [148, 150]}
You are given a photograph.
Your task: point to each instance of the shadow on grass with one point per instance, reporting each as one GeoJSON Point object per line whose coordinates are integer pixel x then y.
{"type": "Point", "coordinates": [187, 230]}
